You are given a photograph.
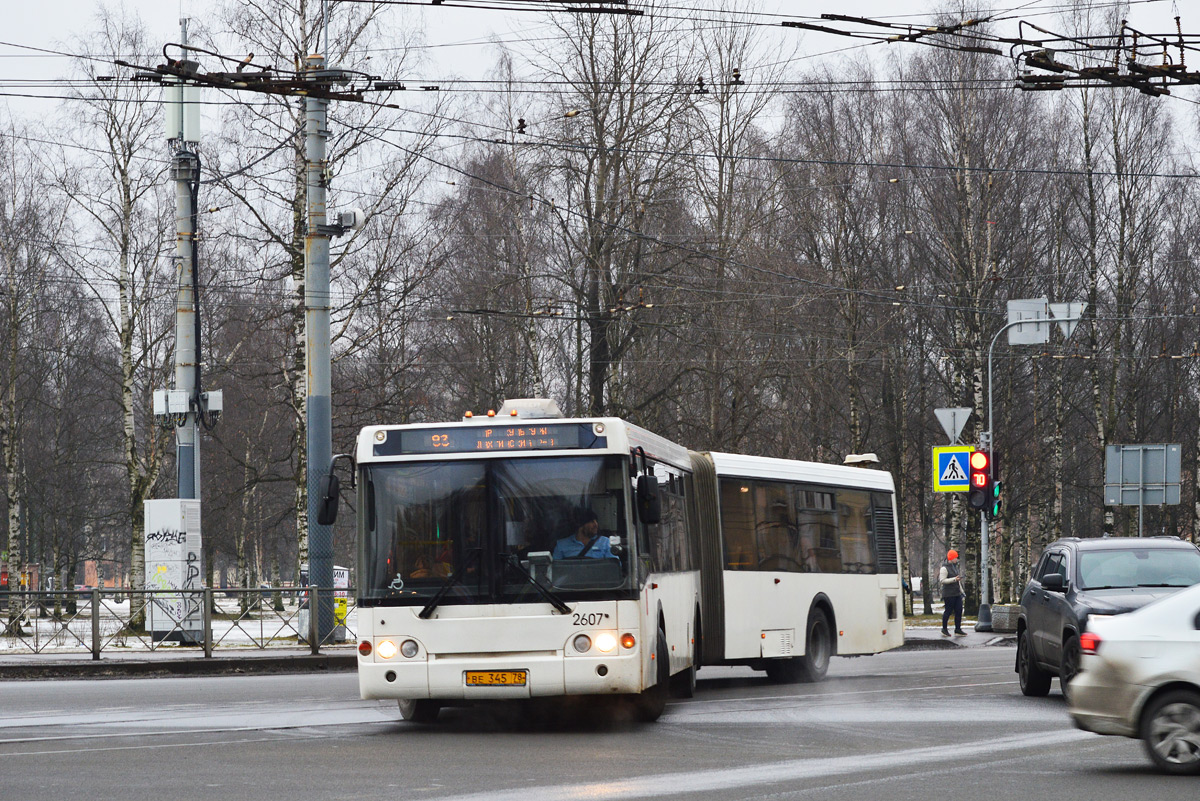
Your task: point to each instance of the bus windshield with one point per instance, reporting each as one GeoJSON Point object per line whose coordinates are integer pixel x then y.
{"type": "Point", "coordinates": [485, 531]}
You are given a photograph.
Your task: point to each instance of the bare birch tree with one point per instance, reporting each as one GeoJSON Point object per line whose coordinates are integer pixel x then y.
{"type": "Point", "coordinates": [115, 187]}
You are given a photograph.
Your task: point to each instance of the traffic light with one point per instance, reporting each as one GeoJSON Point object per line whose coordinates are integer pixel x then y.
{"type": "Point", "coordinates": [994, 510]}
{"type": "Point", "coordinates": [979, 495]}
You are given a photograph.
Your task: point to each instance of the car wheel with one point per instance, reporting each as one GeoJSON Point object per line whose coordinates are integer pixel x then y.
{"type": "Point", "coordinates": [1034, 680]}
{"type": "Point", "coordinates": [1069, 665]}
{"type": "Point", "coordinates": [421, 710]}
{"type": "Point", "coordinates": [1171, 731]}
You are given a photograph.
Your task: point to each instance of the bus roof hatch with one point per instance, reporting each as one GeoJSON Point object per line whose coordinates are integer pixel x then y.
{"type": "Point", "coordinates": [529, 408]}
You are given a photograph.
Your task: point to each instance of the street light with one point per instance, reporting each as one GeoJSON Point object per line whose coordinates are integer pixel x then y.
{"type": "Point", "coordinates": [1043, 313]}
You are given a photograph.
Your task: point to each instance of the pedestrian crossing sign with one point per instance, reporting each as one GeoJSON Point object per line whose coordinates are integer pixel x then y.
{"type": "Point", "coordinates": [951, 472]}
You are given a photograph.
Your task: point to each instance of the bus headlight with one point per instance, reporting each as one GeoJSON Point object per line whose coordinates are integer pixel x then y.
{"type": "Point", "coordinates": [606, 642]}
{"type": "Point", "coordinates": [386, 649]}
{"type": "Point", "coordinates": [409, 648]}
{"type": "Point", "coordinates": [582, 643]}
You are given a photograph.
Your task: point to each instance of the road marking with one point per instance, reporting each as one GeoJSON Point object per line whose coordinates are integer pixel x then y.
{"type": "Point", "coordinates": [279, 723]}
{"type": "Point", "coordinates": [143, 747]}
{"type": "Point", "coordinates": [707, 781]}
{"type": "Point", "coordinates": [682, 705]}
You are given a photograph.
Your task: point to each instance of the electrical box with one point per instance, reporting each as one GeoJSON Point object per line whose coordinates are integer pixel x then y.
{"type": "Point", "coordinates": [211, 401]}
{"type": "Point", "coordinates": [182, 104]}
{"type": "Point", "coordinates": [160, 403]}
{"type": "Point", "coordinates": [177, 402]}
{"type": "Point", "coordinates": [173, 570]}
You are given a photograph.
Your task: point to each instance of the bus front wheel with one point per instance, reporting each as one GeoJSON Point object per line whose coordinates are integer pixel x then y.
{"type": "Point", "coordinates": [422, 710]}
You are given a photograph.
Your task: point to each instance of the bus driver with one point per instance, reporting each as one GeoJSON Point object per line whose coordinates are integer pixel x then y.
{"type": "Point", "coordinates": [586, 541]}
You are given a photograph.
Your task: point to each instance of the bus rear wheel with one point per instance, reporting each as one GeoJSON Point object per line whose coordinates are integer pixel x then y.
{"type": "Point", "coordinates": [419, 710]}
{"type": "Point", "coordinates": [683, 685]}
{"type": "Point", "coordinates": [818, 647]}
{"type": "Point", "coordinates": [653, 700]}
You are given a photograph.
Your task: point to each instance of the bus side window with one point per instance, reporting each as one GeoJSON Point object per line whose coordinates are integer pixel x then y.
{"type": "Point", "coordinates": [667, 542]}
{"type": "Point", "coordinates": [854, 508]}
{"type": "Point", "coordinates": [737, 523]}
{"type": "Point", "coordinates": [661, 558]}
{"type": "Point", "coordinates": [775, 523]}
{"type": "Point", "coordinates": [818, 531]}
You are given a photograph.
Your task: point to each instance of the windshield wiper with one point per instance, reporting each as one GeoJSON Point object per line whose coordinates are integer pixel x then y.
{"type": "Point", "coordinates": [545, 592]}
{"type": "Point", "coordinates": [1162, 585]}
{"type": "Point", "coordinates": [450, 581]}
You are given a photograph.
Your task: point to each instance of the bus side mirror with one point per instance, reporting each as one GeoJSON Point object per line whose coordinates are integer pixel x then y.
{"type": "Point", "coordinates": [649, 504]}
{"type": "Point", "coordinates": [328, 489]}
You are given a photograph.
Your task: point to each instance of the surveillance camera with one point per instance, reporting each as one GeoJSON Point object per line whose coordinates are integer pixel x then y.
{"type": "Point", "coordinates": [354, 219]}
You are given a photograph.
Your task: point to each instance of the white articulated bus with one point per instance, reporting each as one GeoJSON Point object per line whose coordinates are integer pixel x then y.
{"type": "Point", "coordinates": [799, 562]}
{"type": "Point", "coordinates": [524, 555]}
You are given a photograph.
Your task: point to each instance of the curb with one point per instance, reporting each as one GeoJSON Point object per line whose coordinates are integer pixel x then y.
{"type": "Point", "coordinates": [219, 666]}
{"type": "Point", "coordinates": [930, 644]}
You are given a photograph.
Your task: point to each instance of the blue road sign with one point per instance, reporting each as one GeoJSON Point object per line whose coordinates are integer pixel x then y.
{"type": "Point", "coordinates": [951, 469]}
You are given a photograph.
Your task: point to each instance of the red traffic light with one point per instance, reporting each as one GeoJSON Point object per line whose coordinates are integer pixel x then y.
{"type": "Point", "coordinates": [978, 496]}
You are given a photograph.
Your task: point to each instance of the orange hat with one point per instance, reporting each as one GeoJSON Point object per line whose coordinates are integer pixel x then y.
{"type": "Point", "coordinates": [951, 554]}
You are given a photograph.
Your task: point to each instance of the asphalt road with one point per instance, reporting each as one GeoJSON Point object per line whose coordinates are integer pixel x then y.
{"type": "Point", "coordinates": [949, 725]}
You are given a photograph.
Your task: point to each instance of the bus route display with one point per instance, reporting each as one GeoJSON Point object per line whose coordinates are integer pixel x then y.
{"type": "Point", "coordinates": [489, 439]}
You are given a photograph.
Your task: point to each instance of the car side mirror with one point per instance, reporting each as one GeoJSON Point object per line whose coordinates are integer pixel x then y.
{"type": "Point", "coordinates": [328, 489]}
{"type": "Point", "coordinates": [649, 504]}
{"type": "Point", "coordinates": [1055, 582]}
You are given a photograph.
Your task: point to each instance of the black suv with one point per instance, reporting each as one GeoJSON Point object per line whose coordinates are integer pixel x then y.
{"type": "Point", "coordinates": [1077, 578]}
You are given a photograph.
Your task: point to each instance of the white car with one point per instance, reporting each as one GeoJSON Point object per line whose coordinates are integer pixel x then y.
{"type": "Point", "coordinates": [1140, 677]}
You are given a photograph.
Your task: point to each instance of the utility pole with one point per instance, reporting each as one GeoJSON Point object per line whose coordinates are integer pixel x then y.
{"type": "Point", "coordinates": [318, 408]}
{"type": "Point", "coordinates": [185, 170]}
{"type": "Point", "coordinates": [185, 407]}
{"type": "Point", "coordinates": [316, 84]}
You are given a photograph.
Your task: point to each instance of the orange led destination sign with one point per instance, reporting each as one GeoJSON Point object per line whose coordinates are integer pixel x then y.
{"type": "Point", "coordinates": [490, 439]}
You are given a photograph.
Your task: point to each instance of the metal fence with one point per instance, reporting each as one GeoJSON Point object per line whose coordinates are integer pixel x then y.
{"type": "Point", "coordinates": [96, 620]}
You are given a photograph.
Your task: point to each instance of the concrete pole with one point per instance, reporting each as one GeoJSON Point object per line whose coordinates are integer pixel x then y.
{"type": "Point", "coordinates": [185, 171]}
{"type": "Point", "coordinates": [187, 440]}
{"type": "Point", "coordinates": [316, 320]}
